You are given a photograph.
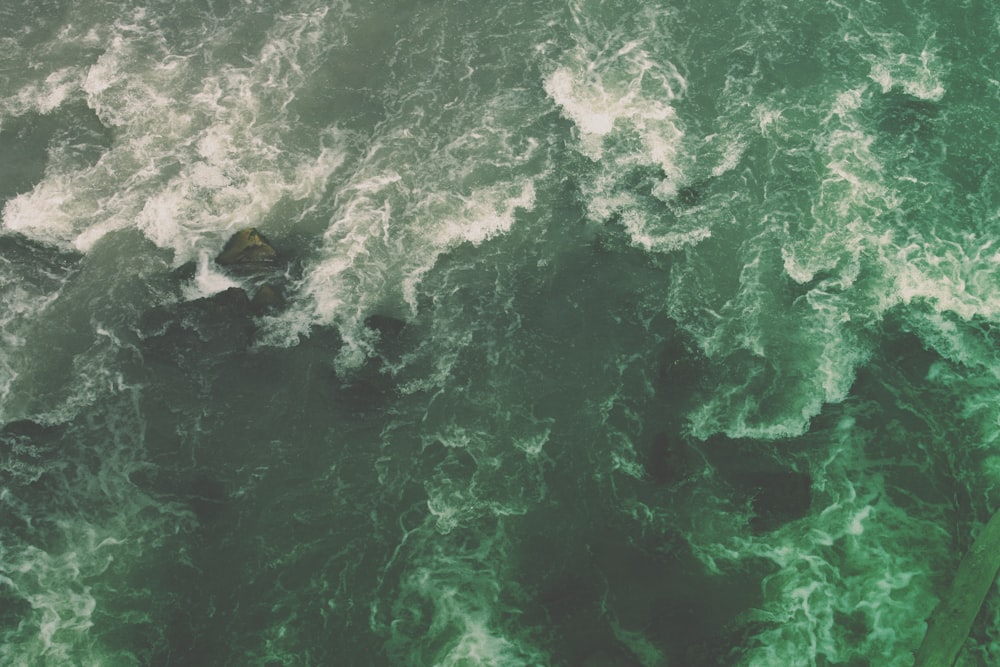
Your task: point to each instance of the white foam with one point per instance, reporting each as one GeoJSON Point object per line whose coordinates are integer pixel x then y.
{"type": "Point", "coordinates": [921, 75]}
{"type": "Point", "coordinates": [639, 229]}
{"type": "Point", "coordinates": [458, 595]}
{"type": "Point", "coordinates": [207, 280]}
{"type": "Point", "coordinates": [600, 99]}
{"type": "Point", "coordinates": [619, 93]}
{"type": "Point", "coordinates": [376, 254]}
{"type": "Point", "coordinates": [185, 175]}
{"type": "Point", "coordinates": [958, 274]}
{"type": "Point", "coordinates": [47, 95]}
{"type": "Point", "coordinates": [856, 556]}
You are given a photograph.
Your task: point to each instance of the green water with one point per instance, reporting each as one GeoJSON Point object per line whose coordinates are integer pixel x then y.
{"type": "Point", "coordinates": [634, 333]}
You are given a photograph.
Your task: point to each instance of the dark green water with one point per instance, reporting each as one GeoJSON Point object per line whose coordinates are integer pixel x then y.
{"type": "Point", "coordinates": [612, 334]}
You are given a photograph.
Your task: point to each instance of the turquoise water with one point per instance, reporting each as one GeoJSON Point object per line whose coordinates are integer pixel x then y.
{"type": "Point", "coordinates": [622, 333]}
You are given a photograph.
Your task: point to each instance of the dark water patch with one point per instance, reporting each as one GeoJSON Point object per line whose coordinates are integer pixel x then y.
{"type": "Point", "coordinates": [267, 557]}
{"type": "Point", "coordinates": [907, 129]}
{"type": "Point", "coordinates": [389, 331]}
{"type": "Point", "coordinates": [777, 497]}
{"type": "Point", "coordinates": [603, 592]}
{"type": "Point", "coordinates": [669, 458]}
{"type": "Point", "coordinates": [349, 85]}
{"type": "Point", "coordinates": [49, 265]}
{"type": "Point", "coordinates": [72, 134]}
{"type": "Point", "coordinates": [683, 373]}
{"type": "Point", "coordinates": [906, 117]}
{"type": "Point", "coordinates": [762, 479]}
{"type": "Point", "coordinates": [365, 389]}
{"type": "Point", "coordinates": [510, 470]}
{"type": "Point", "coordinates": [33, 23]}
{"type": "Point", "coordinates": [14, 609]}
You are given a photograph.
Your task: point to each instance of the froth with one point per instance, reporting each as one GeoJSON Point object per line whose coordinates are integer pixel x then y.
{"type": "Point", "coordinates": [377, 253]}
{"type": "Point", "coordinates": [207, 281]}
{"type": "Point", "coordinates": [624, 92]}
{"type": "Point", "coordinates": [919, 75]}
{"type": "Point", "coordinates": [457, 611]}
{"type": "Point", "coordinates": [183, 174]}
{"type": "Point", "coordinates": [957, 274]}
{"type": "Point", "coordinates": [858, 557]}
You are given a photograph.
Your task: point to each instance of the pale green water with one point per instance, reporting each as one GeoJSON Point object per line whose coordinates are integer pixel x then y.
{"type": "Point", "coordinates": [687, 351]}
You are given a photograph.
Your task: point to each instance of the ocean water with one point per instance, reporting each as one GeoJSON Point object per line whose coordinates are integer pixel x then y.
{"type": "Point", "coordinates": [624, 334]}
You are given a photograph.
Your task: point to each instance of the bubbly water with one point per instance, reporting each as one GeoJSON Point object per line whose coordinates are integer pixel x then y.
{"type": "Point", "coordinates": [612, 333]}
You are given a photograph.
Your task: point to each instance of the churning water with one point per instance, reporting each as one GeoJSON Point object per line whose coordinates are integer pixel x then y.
{"type": "Point", "coordinates": [611, 333]}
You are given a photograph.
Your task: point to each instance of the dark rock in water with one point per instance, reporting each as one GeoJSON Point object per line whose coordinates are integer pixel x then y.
{"type": "Point", "coordinates": [219, 324]}
{"type": "Point", "coordinates": [185, 272]}
{"type": "Point", "coordinates": [233, 301]}
{"type": "Point", "coordinates": [268, 298]}
{"type": "Point", "coordinates": [247, 249]}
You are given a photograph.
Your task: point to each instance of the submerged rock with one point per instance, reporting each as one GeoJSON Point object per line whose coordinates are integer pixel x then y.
{"type": "Point", "coordinates": [247, 249]}
{"type": "Point", "coordinates": [267, 299]}
{"type": "Point", "coordinates": [218, 324]}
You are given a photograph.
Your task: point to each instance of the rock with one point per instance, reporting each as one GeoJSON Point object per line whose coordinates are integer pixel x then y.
{"type": "Point", "coordinates": [247, 249]}
{"type": "Point", "coordinates": [219, 324]}
{"type": "Point", "coordinates": [267, 299]}
{"type": "Point", "coordinates": [232, 302]}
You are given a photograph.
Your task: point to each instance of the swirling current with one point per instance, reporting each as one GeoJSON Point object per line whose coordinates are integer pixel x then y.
{"type": "Point", "coordinates": [636, 333]}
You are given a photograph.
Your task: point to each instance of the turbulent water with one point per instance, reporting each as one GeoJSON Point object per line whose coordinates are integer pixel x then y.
{"type": "Point", "coordinates": [626, 333]}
